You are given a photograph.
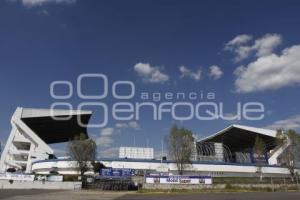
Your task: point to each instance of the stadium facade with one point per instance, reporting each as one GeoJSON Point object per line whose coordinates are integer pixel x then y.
{"type": "Point", "coordinates": [32, 132]}
{"type": "Point", "coordinates": [228, 152]}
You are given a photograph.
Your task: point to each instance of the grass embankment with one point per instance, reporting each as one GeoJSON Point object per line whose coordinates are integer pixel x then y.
{"type": "Point", "coordinates": [251, 180]}
{"type": "Point", "coordinates": [227, 189]}
{"type": "Point", "coordinates": [231, 185]}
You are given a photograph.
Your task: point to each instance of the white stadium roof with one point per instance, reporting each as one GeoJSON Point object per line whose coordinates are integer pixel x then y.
{"type": "Point", "coordinates": [261, 131]}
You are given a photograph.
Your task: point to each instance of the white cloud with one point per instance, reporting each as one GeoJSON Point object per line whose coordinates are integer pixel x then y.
{"type": "Point", "coordinates": [112, 152]}
{"type": "Point", "coordinates": [290, 123]}
{"type": "Point", "coordinates": [107, 131]}
{"type": "Point", "coordinates": [104, 141]}
{"type": "Point", "coordinates": [150, 74]}
{"type": "Point", "coordinates": [185, 72]}
{"type": "Point", "coordinates": [238, 46]}
{"type": "Point", "coordinates": [132, 124]}
{"type": "Point", "coordinates": [238, 40]}
{"type": "Point", "coordinates": [105, 138]}
{"type": "Point", "coordinates": [266, 44]}
{"type": "Point", "coordinates": [32, 3]}
{"type": "Point", "coordinates": [215, 72]}
{"type": "Point", "coordinates": [43, 12]}
{"type": "Point", "coordinates": [121, 125]}
{"type": "Point", "coordinates": [261, 47]}
{"type": "Point", "coordinates": [270, 72]}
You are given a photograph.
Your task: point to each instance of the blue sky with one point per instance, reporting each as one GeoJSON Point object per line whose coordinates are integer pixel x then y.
{"type": "Point", "coordinates": [240, 50]}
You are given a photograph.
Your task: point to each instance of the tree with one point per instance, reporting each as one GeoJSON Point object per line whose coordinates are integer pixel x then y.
{"type": "Point", "coordinates": [291, 155]}
{"type": "Point", "coordinates": [97, 166]}
{"type": "Point", "coordinates": [180, 144]}
{"type": "Point", "coordinates": [83, 151]}
{"type": "Point", "coordinates": [259, 150]}
{"type": "Point", "coordinates": [11, 170]}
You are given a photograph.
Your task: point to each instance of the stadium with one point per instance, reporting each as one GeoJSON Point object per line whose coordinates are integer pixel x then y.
{"type": "Point", "coordinates": [225, 153]}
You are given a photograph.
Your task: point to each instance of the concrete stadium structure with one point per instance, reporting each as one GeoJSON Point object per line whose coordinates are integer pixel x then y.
{"type": "Point", "coordinates": [32, 132]}
{"type": "Point", "coordinates": [156, 166]}
{"type": "Point", "coordinates": [228, 152]}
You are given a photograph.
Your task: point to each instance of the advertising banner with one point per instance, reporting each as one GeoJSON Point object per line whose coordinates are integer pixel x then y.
{"type": "Point", "coordinates": [188, 180]}
{"type": "Point", "coordinates": [16, 177]}
{"type": "Point", "coordinates": [259, 159]}
{"type": "Point", "coordinates": [109, 172]}
{"type": "Point", "coordinates": [53, 178]}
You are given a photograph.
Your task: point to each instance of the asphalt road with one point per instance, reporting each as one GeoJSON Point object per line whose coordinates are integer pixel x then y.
{"type": "Point", "coordinates": [218, 196]}
{"type": "Point", "coordinates": [58, 195]}
{"type": "Point", "coordinates": [90, 195]}
{"type": "Point", "coordinates": [4, 194]}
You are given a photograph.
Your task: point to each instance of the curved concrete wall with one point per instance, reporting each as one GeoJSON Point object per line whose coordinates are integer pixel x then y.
{"type": "Point", "coordinates": [67, 167]}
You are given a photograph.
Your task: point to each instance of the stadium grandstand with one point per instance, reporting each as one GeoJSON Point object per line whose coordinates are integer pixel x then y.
{"type": "Point", "coordinates": [32, 132]}
{"type": "Point", "coordinates": [228, 152]}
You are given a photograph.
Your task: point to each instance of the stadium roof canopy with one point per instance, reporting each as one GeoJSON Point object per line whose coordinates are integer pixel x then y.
{"type": "Point", "coordinates": [239, 137]}
{"type": "Point", "coordinates": [50, 127]}
{"type": "Point", "coordinates": [34, 129]}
